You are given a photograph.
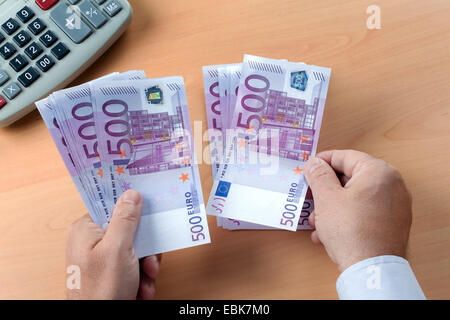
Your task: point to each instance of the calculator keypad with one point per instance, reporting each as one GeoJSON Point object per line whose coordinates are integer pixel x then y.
{"type": "Point", "coordinates": [33, 50]}
{"type": "Point", "coordinates": [28, 56]}
{"type": "Point", "coordinates": [69, 22]}
{"type": "Point", "coordinates": [60, 51]}
{"type": "Point", "coordinates": [37, 26]}
{"type": "Point", "coordinates": [48, 38]}
{"type": "Point", "coordinates": [25, 14]}
{"type": "Point", "coordinates": [7, 50]}
{"type": "Point", "coordinates": [10, 26]}
{"type": "Point", "coordinates": [46, 4]}
{"type": "Point", "coordinates": [18, 62]}
{"type": "Point", "coordinates": [45, 63]}
{"type": "Point", "coordinates": [2, 102]}
{"type": "Point", "coordinates": [92, 14]}
{"type": "Point", "coordinates": [12, 90]}
{"type": "Point", "coordinates": [112, 7]}
{"type": "Point", "coordinates": [3, 77]}
{"type": "Point", "coordinates": [22, 38]}
{"type": "Point", "coordinates": [28, 77]}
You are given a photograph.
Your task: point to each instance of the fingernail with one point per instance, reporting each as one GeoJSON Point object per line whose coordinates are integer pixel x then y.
{"type": "Point", "coordinates": [131, 196]}
{"type": "Point", "coordinates": [312, 164]}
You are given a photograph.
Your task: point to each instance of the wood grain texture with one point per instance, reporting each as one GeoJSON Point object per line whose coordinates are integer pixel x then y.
{"type": "Point", "coordinates": [389, 96]}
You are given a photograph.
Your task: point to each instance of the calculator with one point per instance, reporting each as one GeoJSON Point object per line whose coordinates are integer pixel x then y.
{"type": "Point", "coordinates": [45, 44]}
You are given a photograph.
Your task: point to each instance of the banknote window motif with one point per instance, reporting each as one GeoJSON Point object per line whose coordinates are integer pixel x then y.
{"type": "Point", "coordinates": [156, 144]}
{"type": "Point", "coordinates": [299, 80]}
{"type": "Point", "coordinates": [154, 95]}
{"type": "Point", "coordinates": [294, 120]}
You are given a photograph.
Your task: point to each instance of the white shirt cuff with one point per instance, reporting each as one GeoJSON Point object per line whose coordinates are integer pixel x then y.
{"type": "Point", "coordinates": [383, 277]}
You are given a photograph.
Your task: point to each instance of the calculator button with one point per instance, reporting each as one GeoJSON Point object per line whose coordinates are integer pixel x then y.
{"type": "Point", "coordinates": [33, 50]}
{"type": "Point", "coordinates": [60, 51]}
{"type": "Point", "coordinates": [92, 14]}
{"type": "Point", "coordinates": [28, 77]}
{"type": "Point", "coordinates": [18, 63]}
{"type": "Point", "coordinates": [2, 37]}
{"type": "Point", "coordinates": [7, 50]}
{"type": "Point", "coordinates": [3, 77]}
{"type": "Point", "coordinates": [112, 7]}
{"type": "Point", "coordinates": [22, 38]}
{"type": "Point", "coordinates": [36, 26]}
{"type": "Point", "coordinates": [25, 14]}
{"type": "Point", "coordinates": [48, 38]}
{"type": "Point", "coordinates": [10, 26]}
{"type": "Point", "coordinates": [2, 102]}
{"type": "Point", "coordinates": [70, 22]}
{"type": "Point", "coordinates": [46, 4]}
{"type": "Point", "coordinates": [45, 63]}
{"type": "Point", "coordinates": [12, 90]}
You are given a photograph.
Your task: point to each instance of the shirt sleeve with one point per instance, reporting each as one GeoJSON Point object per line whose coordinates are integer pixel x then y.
{"type": "Point", "coordinates": [382, 277]}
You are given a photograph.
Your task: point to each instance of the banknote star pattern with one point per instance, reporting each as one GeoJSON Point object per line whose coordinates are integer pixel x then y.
{"type": "Point", "coordinates": [305, 156]}
{"type": "Point", "coordinates": [100, 172]}
{"type": "Point", "coordinates": [120, 170]}
{"type": "Point", "coordinates": [184, 177]}
{"type": "Point", "coordinates": [123, 154]}
{"type": "Point", "coordinates": [298, 170]}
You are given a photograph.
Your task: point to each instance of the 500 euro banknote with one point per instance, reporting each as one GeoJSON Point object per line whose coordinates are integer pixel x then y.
{"type": "Point", "coordinates": [68, 116]}
{"type": "Point", "coordinates": [278, 114]}
{"type": "Point", "coordinates": [145, 143]}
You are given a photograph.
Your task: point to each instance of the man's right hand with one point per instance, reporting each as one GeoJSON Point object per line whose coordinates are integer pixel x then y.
{"type": "Point", "coordinates": [362, 206]}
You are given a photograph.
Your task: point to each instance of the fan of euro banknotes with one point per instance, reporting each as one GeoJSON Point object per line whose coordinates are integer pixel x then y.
{"type": "Point", "coordinates": [124, 131]}
{"type": "Point", "coordinates": [264, 118]}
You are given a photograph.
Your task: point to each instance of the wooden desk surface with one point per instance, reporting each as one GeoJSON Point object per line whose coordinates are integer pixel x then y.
{"type": "Point", "coordinates": [389, 96]}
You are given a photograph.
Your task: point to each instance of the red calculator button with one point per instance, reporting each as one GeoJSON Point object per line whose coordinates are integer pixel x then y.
{"type": "Point", "coordinates": [2, 102]}
{"type": "Point", "coordinates": [46, 4]}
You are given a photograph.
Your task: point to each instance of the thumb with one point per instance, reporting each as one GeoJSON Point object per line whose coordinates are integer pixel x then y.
{"type": "Point", "coordinates": [320, 177]}
{"type": "Point", "coordinates": [125, 219]}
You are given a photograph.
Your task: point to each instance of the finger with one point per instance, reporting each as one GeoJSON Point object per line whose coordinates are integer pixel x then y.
{"type": "Point", "coordinates": [343, 179]}
{"type": "Point", "coordinates": [125, 219]}
{"type": "Point", "coordinates": [311, 220]}
{"type": "Point", "coordinates": [84, 233]}
{"type": "Point", "coordinates": [321, 177]}
{"type": "Point", "coordinates": [347, 162]}
{"type": "Point", "coordinates": [147, 288]}
{"type": "Point", "coordinates": [315, 237]}
{"type": "Point", "coordinates": [150, 266]}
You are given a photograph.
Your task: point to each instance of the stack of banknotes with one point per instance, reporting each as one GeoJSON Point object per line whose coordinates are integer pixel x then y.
{"type": "Point", "coordinates": [264, 118]}
{"type": "Point", "coordinates": [124, 131]}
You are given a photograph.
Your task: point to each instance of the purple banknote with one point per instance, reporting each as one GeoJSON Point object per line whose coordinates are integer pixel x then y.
{"type": "Point", "coordinates": [277, 118]}
{"type": "Point", "coordinates": [145, 144]}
